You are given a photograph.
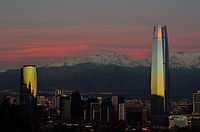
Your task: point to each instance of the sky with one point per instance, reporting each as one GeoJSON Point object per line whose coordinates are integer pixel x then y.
{"type": "Point", "coordinates": [45, 31]}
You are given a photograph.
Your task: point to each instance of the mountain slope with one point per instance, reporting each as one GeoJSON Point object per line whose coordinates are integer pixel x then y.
{"type": "Point", "coordinates": [176, 60]}
{"type": "Point", "coordinates": [112, 72]}
{"type": "Point", "coordinates": [107, 58]}
{"type": "Point", "coordinates": [89, 77]}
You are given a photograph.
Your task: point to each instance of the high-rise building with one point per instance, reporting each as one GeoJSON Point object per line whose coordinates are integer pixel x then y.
{"type": "Point", "coordinates": [87, 106]}
{"type": "Point", "coordinates": [122, 111]}
{"type": "Point", "coordinates": [56, 99]}
{"type": "Point", "coordinates": [65, 107]}
{"type": "Point", "coordinates": [116, 100]}
{"type": "Point", "coordinates": [196, 102]}
{"type": "Point", "coordinates": [28, 91]}
{"type": "Point", "coordinates": [76, 106]}
{"type": "Point", "coordinates": [160, 76]}
{"type": "Point", "coordinates": [107, 111]}
{"type": "Point", "coordinates": [95, 111]}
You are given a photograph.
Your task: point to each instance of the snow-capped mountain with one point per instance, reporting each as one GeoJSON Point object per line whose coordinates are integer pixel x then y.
{"type": "Point", "coordinates": [176, 60]}
{"type": "Point", "coordinates": [99, 74]}
{"type": "Point", "coordinates": [184, 60]}
{"type": "Point", "coordinates": [107, 58]}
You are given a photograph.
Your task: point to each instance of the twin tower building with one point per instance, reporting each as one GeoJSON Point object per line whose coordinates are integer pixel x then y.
{"type": "Point", "coordinates": [159, 81]}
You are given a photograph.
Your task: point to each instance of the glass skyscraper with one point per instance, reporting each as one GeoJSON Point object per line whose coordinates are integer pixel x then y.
{"type": "Point", "coordinates": [159, 76]}
{"type": "Point", "coordinates": [28, 91]}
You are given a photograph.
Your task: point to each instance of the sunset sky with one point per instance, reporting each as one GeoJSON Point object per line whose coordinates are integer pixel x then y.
{"type": "Point", "coordinates": [45, 31]}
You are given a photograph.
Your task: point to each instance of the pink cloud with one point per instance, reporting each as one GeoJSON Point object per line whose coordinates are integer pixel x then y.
{"type": "Point", "coordinates": [36, 44]}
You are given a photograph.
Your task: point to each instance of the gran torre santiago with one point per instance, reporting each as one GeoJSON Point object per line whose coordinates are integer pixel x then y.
{"type": "Point", "coordinates": [160, 76]}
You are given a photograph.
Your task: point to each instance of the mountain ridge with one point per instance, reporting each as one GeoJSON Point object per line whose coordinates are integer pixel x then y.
{"type": "Point", "coordinates": [176, 60]}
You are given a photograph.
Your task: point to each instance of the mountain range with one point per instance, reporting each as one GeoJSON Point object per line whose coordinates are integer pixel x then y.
{"type": "Point", "coordinates": [177, 60]}
{"type": "Point", "coordinates": [112, 72]}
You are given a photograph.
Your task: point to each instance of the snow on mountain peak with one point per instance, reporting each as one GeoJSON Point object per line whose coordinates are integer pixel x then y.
{"type": "Point", "coordinates": [106, 58]}
{"type": "Point", "coordinates": [176, 60]}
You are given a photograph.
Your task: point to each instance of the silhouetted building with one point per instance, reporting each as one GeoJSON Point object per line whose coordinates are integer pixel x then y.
{"type": "Point", "coordinates": [76, 106]}
{"type": "Point", "coordinates": [56, 99]}
{"type": "Point", "coordinates": [65, 107]}
{"type": "Point", "coordinates": [107, 111]}
{"type": "Point", "coordinates": [87, 108]}
{"type": "Point", "coordinates": [95, 111]}
{"type": "Point", "coordinates": [184, 107]}
{"type": "Point", "coordinates": [4, 100]}
{"type": "Point", "coordinates": [160, 77]}
{"type": "Point", "coordinates": [196, 102]}
{"type": "Point", "coordinates": [28, 91]}
{"type": "Point", "coordinates": [116, 100]}
{"type": "Point", "coordinates": [135, 112]}
{"type": "Point", "coordinates": [57, 94]}
{"type": "Point", "coordinates": [195, 121]}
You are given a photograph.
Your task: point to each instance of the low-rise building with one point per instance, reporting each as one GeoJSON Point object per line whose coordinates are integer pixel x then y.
{"type": "Point", "coordinates": [178, 121]}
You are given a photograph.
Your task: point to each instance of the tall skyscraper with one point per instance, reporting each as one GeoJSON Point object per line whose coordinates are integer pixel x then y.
{"type": "Point", "coordinates": [28, 91]}
{"type": "Point", "coordinates": [76, 106]}
{"type": "Point", "coordinates": [160, 76]}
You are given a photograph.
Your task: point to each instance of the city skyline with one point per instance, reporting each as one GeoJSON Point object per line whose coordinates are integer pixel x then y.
{"type": "Point", "coordinates": [107, 66]}
{"type": "Point", "coordinates": [51, 34]}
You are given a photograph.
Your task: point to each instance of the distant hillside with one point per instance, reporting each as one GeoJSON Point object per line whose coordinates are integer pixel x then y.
{"type": "Point", "coordinates": [112, 72]}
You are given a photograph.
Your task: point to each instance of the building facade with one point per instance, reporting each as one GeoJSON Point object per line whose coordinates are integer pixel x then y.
{"type": "Point", "coordinates": [160, 76]}
{"type": "Point", "coordinates": [196, 102]}
{"type": "Point", "coordinates": [56, 99]}
{"type": "Point", "coordinates": [178, 121]}
{"type": "Point", "coordinates": [116, 100]}
{"type": "Point", "coordinates": [122, 112]}
{"type": "Point", "coordinates": [95, 112]}
{"type": "Point", "coordinates": [65, 107]}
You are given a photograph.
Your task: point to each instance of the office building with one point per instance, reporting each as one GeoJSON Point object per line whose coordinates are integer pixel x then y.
{"type": "Point", "coordinates": [196, 102]}
{"type": "Point", "coordinates": [87, 108]}
{"type": "Point", "coordinates": [195, 121]}
{"type": "Point", "coordinates": [56, 99]}
{"type": "Point", "coordinates": [28, 91]}
{"type": "Point", "coordinates": [65, 107]}
{"type": "Point", "coordinates": [133, 111]}
{"type": "Point", "coordinates": [76, 106]}
{"type": "Point", "coordinates": [160, 77]}
{"type": "Point", "coordinates": [122, 112]}
{"type": "Point", "coordinates": [107, 111]}
{"type": "Point", "coordinates": [178, 121]}
{"type": "Point", "coordinates": [95, 111]}
{"type": "Point", "coordinates": [116, 100]}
